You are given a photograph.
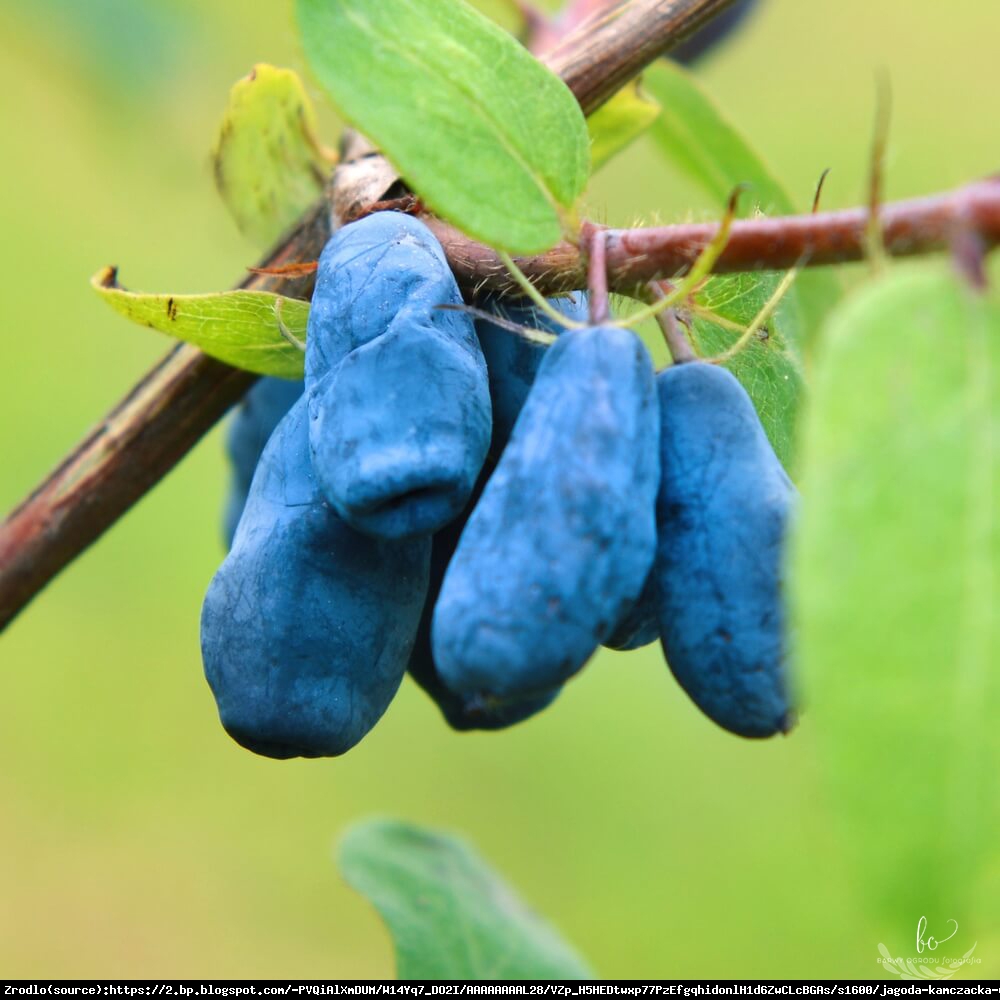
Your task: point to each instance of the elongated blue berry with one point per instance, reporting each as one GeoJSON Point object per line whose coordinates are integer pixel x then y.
{"type": "Point", "coordinates": [562, 539]}
{"type": "Point", "coordinates": [399, 405]}
{"type": "Point", "coordinates": [722, 514]}
{"type": "Point", "coordinates": [462, 712]}
{"type": "Point", "coordinates": [308, 625]}
{"type": "Point", "coordinates": [512, 360]}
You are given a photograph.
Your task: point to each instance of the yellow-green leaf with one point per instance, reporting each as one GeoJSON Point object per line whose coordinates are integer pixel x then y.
{"type": "Point", "coordinates": [240, 328]}
{"type": "Point", "coordinates": [490, 139]}
{"type": "Point", "coordinates": [269, 164]}
{"type": "Point", "coordinates": [619, 122]}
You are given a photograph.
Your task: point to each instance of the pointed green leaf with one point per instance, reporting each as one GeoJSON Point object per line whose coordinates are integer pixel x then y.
{"type": "Point", "coordinates": [240, 328]}
{"type": "Point", "coordinates": [269, 165]}
{"type": "Point", "coordinates": [697, 138]}
{"type": "Point", "coordinates": [450, 915]}
{"type": "Point", "coordinates": [488, 137]}
{"type": "Point", "coordinates": [896, 587]}
{"type": "Point", "coordinates": [619, 122]}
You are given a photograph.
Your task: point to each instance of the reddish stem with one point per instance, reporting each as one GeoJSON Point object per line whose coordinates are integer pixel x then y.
{"type": "Point", "coordinates": [637, 256]}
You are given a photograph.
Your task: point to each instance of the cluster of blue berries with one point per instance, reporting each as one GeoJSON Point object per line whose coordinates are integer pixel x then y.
{"type": "Point", "coordinates": [469, 504]}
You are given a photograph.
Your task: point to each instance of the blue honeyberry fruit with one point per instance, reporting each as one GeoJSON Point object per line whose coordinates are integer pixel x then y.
{"type": "Point", "coordinates": [563, 537]}
{"type": "Point", "coordinates": [722, 514]}
{"type": "Point", "coordinates": [512, 358]}
{"type": "Point", "coordinates": [308, 626]}
{"type": "Point", "coordinates": [252, 423]}
{"type": "Point", "coordinates": [399, 405]}
{"type": "Point", "coordinates": [641, 623]}
{"type": "Point", "coordinates": [461, 712]}
{"type": "Point", "coordinates": [708, 38]}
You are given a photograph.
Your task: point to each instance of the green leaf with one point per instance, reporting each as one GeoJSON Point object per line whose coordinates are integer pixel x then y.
{"type": "Point", "coordinates": [269, 165]}
{"type": "Point", "coordinates": [694, 134]}
{"type": "Point", "coordinates": [488, 137]}
{"type": "Point", "coordinates": [240, 328]}
{"type": "Point", "coordinates": [895, 590]}
{"type": "Point", "coordinates": [769, 367]}
{"type": "Point", "coordinates": [450, 915]}
{"type": "Point", "coordinates": [619, 122]}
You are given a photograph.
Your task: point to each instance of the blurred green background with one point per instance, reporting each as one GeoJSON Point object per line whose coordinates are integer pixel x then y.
{"type": "Point", "coordinates": [136, 839]}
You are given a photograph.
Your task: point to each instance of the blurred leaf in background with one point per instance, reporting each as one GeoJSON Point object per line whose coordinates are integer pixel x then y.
{"type": "Point", "coordinates": [616, 124]}
{"type": "Point", "coordinates": [895, 585]}
{"type": "Point", "coordinates": [450, 915]}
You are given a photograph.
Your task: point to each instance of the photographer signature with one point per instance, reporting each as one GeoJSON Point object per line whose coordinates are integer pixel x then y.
{"type": "Point", "coordinates": [929, 942]}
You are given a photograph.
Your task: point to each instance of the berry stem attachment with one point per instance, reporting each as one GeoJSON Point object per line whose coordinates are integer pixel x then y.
{"type": "Point", "coordinates": [678, 344]}
{"type": "Point", "coordinates": [700, 270]}
{"type": "Point", "coordinates": [597, 276]}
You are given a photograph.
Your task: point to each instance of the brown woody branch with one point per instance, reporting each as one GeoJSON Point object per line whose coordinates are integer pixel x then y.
{"type": "Point", "coordinates": [187, 392]}
{"type": "Point", "coordinates": [167, 412]}
{"type": "Point", "coordinates": [637, 256]}
{"type": "Point", "coordinates": [595, 64]}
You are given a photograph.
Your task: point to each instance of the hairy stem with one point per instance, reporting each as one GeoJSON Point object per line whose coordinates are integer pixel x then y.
{"type": "Point", "coordinates": [637, 256]}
